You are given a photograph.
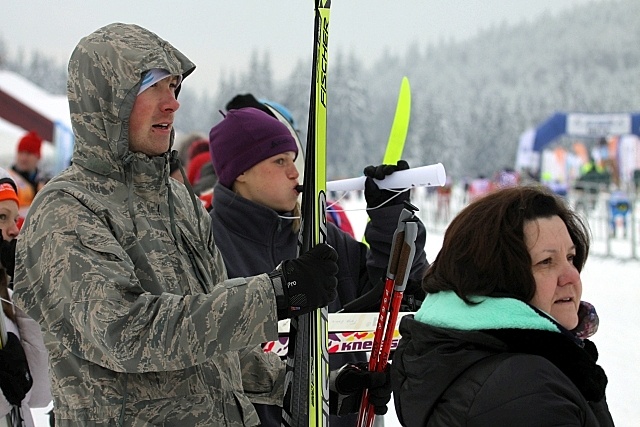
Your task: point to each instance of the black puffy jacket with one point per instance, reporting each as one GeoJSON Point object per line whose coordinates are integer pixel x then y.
{"type": "Point", "coordinates": [499, 377]}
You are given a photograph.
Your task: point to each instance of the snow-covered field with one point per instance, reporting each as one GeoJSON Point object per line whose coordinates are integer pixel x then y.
{"type": "Point", "coordinates": [610, 282]}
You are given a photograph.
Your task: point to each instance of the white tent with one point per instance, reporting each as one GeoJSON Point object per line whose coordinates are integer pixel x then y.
{"type": "Point", "coordinates": [24, 106]}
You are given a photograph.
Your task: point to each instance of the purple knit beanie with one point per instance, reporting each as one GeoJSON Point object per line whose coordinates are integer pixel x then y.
{"type": "Point", "coordinates": [244, 138]}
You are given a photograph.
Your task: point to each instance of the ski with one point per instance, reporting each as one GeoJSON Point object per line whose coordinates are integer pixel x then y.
{"type": "Point", "coordinates": [306, 396]}
{"type": "Point", "coordinates": [400, 126]}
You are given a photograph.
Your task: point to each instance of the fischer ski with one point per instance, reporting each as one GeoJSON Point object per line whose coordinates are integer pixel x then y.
{"type": "Point", "coordinates": [403, 249]}
{"type": "Point", "coordinates": [306, 396]}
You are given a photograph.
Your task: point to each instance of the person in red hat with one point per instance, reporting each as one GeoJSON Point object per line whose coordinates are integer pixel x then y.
{"type": "Point", "coordinates": [25, 173]}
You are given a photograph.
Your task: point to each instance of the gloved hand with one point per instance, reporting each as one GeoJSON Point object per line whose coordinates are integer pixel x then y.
{"type": "Point", "coordinates": [347, 383]}
{"type": "Point", "coordinates": [307, 282]}
{"type": "Point", "coordinates": [376, 196]}
{"type": "Point", "coordinates": [15, 377]}
{"type": "Point", "coordinates": [413, 296]}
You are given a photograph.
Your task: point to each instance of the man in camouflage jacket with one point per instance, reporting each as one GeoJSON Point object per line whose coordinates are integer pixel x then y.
{"type": "Point", "coordinates": [117, 263]}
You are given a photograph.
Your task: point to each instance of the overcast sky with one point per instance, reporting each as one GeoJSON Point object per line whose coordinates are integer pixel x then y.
{"type": "Point", "coordinates": [219, 36]}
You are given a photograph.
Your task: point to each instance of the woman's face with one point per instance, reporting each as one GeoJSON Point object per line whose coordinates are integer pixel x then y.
{"type": "Point", "coordinates": [558, 285]}
{"type": "Point", "coordinates": [8, 219]}
{"type": "Point", "coordinates": [271, 182]}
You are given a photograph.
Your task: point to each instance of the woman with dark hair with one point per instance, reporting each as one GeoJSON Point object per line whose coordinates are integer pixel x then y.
{"type": "Point", "coordinates": [501, 339]}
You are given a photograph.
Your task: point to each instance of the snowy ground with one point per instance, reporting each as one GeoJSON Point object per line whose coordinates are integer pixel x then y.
{"type": "Point", "coordinates": [611, 281]}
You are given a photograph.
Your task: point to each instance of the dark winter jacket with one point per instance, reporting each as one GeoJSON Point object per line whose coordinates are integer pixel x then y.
{"type": "Point", "coordinates": [498, 363]}
{"type": "Point", "coordinates": [254, 238]}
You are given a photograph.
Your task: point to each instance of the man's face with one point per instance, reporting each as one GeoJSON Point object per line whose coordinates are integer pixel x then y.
{"type": "Point", "coordinates": [26, 161]}
{"type": "Point", "coordinates": [151, 118]}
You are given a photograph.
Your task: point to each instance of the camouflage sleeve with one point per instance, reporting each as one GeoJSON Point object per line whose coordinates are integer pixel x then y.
{"type": "Point", "coordinates": [79, 283]}
{"type": "Point", "coordinates": [262, 376]}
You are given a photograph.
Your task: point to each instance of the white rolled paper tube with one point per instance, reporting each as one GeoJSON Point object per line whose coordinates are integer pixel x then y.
{"type": "Point", "coordinates": [423, 176]}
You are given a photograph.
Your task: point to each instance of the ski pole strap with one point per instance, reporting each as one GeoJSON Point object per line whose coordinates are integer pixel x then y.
{"type": "Point", "coordinates": [397, 243]}
{"type": "Point", "coordinates": [407, 254]}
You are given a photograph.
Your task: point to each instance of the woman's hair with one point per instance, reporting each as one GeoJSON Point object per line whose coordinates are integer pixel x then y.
{"type": "Point", "coordinates": [484, 251]}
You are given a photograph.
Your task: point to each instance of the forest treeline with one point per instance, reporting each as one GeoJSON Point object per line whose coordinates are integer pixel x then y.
{"type": "Point", "coordinates": [471, 100]}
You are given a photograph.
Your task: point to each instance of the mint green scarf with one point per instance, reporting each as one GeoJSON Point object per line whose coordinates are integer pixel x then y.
{"type": "Point", "coordinates": [446, 310]}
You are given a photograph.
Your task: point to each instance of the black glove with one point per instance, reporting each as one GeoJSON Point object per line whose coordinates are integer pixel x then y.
{"type": "Point", "coordinates": [307, 282]}
{"type": "Point", "coordinates": [347, 383]}
{"type": "Point", "coordinates": [413, 296]}
{"type": "Point", "coordinates": [15, 377]}
{"type": "Point", "coordinates": [8, 255]}
{"type": "Point", "coordinates": [376, 196]}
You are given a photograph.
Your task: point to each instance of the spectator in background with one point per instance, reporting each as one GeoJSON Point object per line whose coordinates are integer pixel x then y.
{"type": "Point", "coordinates": [444, 201]}
{"type": "Point", "coordinates": [197, 172]}
{"type": "Point", "coordinates": [183, 146]}
{"type": "Point", "coordinates": [505, 178]}
{"type": "Point", "coordinates": [198, 156]}
{"type": "Point", "coordinates": [193, 166]}
{"type": "Point", "coordinates": [25, 173]}
{"type": "Point", "coordinates": [479, 187]}
{"type": "Point", "coordinates": [619, 208]}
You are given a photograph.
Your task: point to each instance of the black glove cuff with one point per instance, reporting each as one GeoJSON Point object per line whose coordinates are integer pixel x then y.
{"type": "Point", "coordinates": [278, 281]}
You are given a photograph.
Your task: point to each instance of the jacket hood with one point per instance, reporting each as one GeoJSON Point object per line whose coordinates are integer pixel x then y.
{"type": "Point", "coordinates": [105, 73]}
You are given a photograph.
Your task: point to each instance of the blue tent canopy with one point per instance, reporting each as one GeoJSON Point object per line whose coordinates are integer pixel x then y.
{"type": "Point", "coordinates": [585, 125]}
{"type": "Point", "coordinates": [534, 140]}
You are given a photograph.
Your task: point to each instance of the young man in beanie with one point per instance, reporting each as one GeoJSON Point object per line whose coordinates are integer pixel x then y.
{"type": "Point", "coordinates": [255, 217]}
{"type": "Point", "coordinates": [118, 265]}
{"type": "Point", "coordinates": [28, 178]}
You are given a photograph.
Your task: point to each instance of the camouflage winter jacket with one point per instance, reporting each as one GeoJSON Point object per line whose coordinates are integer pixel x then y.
{"type": "Point", "coordinates": [117, 264]}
